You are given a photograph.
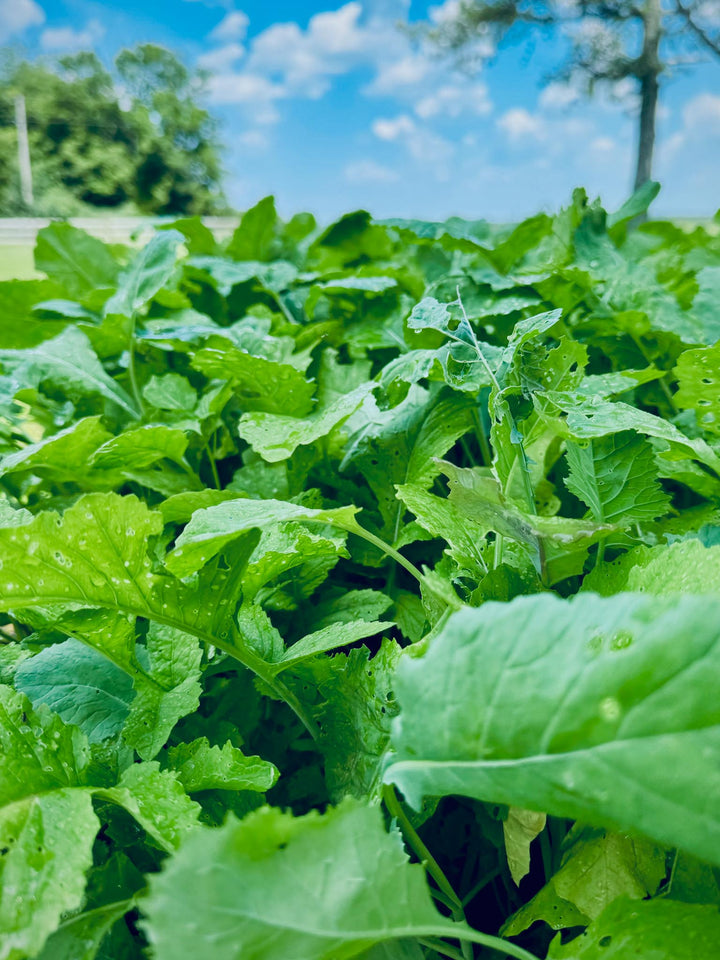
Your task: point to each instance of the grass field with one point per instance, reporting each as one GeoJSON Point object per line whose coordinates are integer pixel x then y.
{"type": "Point", "coordinates": [16, 263]}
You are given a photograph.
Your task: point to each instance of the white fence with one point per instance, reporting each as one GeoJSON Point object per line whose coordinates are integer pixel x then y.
{"type": "Point", "coordinates": [21, 231]}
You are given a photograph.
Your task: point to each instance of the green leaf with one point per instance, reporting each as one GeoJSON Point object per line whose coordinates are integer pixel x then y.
{"type": "Point", "coordinates": [149, 271]}
{"type": "Point", "coordinates": [616, 477]}
{"type": "Point", "coordinates": [653, 929]}
{"type": "Point", "coordinates": [331, 637]}
{"type": "Point", "coordinates": [698, 374]}
{"type": "Point", "coordinates": [211, 529]}
{"type": "Point", "coordinates": [140, 447]}
{"type": "Point", "coordinates": [520, 828]}
{"type": "Point", "coordinates": [169, 690]}
{"type": "Point", "coordinates": [687, 567]}
{"type": "Point", "coordinates": [61, 455]}
{"type": "Point", "coordinates": [355, 717]}
{"type": "Point", "coordinates": [594, 872]}
{"type": "Point", "coordinates": [260, 384]}
{"type": "Point", "coordinates": [401, 445]}
{"type": "Point", "coordinates": [78, 261]}
{"type": "Point", "coordinates": [40, 753]}
{"type": "Point", "coordinates": [158, 802]}
{"type": "Point", "coordinates": [170, 392]}
{"type": "Point", "coordinates": [558, 545]}
{"type": "Point", "coordinates": [46, 847]}
{"type": "Point", "coordinates": [596, 417]}
{"type": "Point", "coordinates": [276, 437]}
{"type": "Point", "coordinates": [68, 363]}
{"type": "Point", "coordinates": [84, 688]}
{"type": "Point", "coordinates": [79, 937]}
{"type": "Point", "coordinates": [274, 886]}
{"type": "Point", "coordinates": [253, 239]}
{"type": "Point", "coordinates": [198, 766]}
{"type": "Point", "coordinates": [596, 709]}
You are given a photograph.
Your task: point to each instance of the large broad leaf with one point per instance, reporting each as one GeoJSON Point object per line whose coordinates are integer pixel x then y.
{"type": "Point", "coordinates": [311, 888]}
{"type": "Point", "coordinates": [68, 363]}
{"type": "Point", "coordinates": [597, 709]}
{"type": "Point", "coordinates": [652, 929]}
{"type": "Point", "coordinates": [616, 477]}
{"type": "Point", "coordinates": [81, 686]}
{"type": "Point", "coordinates": [79, 262]}
{"type": "Point", "coordinates": [96, 556]}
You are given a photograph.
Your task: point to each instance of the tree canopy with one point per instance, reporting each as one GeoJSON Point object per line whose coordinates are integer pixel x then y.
{"type": "Point", "coordinates": [136, 138]}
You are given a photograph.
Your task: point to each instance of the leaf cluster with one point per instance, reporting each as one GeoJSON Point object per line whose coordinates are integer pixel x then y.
{"type": "Point", "coordinates": [360, 591]}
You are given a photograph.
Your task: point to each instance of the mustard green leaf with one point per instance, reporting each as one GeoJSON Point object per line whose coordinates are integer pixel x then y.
{"type": "Point", "coordinates": [596, 709]}
{"type": "Point", "coordinates": [616, 477]}
{"type": "Point", "coordinates": [273, 886]}
{"type": "Point", "coordinates": [199, 766]}
{"type": "Point", "coordinates": [75, 259]}
{"type": "Point", "coordinates": [83, 687]}
{"type": "Point", "coordinates": [653, 929]}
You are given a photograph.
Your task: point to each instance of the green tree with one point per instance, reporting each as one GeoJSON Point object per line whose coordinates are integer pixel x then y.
{"type": "Point", "coordinates": [610, 41]}
{"type": "Point", "coordinates": [136, 138]}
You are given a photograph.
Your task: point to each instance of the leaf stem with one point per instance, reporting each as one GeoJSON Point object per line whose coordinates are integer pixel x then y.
{"type": "Point", "coordinates": [439, 946]}
{"type": "Point", "coordinates": [213, 465]}
{"type": "Point", "coordinates": [395, 555]}
{"type": "Point", "coordinates": [131, 368]}
{"type": "Point", "coordinates": [395, 810]}
{"type": "Point", "coordinates": [482, 437]}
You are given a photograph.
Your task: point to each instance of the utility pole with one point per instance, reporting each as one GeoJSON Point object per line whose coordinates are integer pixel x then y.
{"type": "Point", "coordinates": [26, 188]}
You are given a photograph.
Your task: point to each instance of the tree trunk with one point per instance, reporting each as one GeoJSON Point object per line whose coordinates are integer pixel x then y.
{"type": "Point", "coordinates": [649, 87]}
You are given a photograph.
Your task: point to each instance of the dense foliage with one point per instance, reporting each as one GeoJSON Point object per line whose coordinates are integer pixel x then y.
{"type": "Point", "coordinates": [361, 592]}
{"type": "Point", "coordinates": [137, 138]}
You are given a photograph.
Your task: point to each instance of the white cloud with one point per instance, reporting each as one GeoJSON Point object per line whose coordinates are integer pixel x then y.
{"type": "Point", "coordinates": [66, 38]}
{"type": "Point", "coordinates": [519, 124]}
{"type": "Point", "coordinates": [700, 121]}
{"type": "Point", "coordinates": [233, 26]}
{"type": "Point", "coordinates": [702, 113]}
{"type": "Point", "coordinates": [256, 141]}
{"type": "Point", "coordinates": [445, 11]}
{"type": "Point", "coordinates": [420, 142]}
{"type": "Point", "coordinates": [400, 126]}
{"type": "Point", "coordinates": [453, 99]}
{"type": "Point", "coordinates": [368, 171]}
{"type": "Point", "coordinates": [334, 42]}
{"type": "Point", "coordinates": [408, 71]}
{"type": "Point", "coordinates": [255, 93]}
{"type": "Point", "coordinates": [16, 16]}
{"type": "Point", "coordinates": [221, 59]}
{"type": "Point", "coordinates": [603, 146]}
{"type": "Point", "coordinates": [557, 96]}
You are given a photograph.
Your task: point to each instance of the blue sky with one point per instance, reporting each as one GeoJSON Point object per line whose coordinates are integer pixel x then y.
{"type": "Point", "coordinates": [330, 107]}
